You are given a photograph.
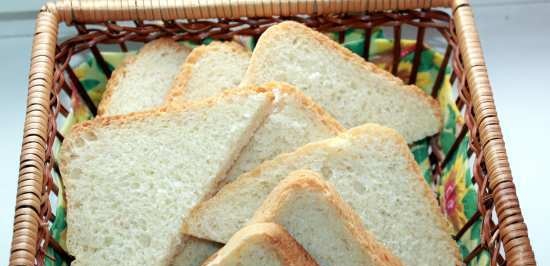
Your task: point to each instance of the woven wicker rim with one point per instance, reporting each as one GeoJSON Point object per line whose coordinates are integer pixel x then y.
{"type": "Point", "coordinates": [491, 167]}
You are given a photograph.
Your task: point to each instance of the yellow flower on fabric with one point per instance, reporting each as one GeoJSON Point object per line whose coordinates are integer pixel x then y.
{"type": "Point", "coordinates": [381, 46]}
{"type": "Point", "coordinates": [446, 99]}
{"type": "Point", "coordinates": [452, 191]}
{"type": "Point", "coordinates": [424, 80]}
{"type": "Point", "coordinates": [82, 70]}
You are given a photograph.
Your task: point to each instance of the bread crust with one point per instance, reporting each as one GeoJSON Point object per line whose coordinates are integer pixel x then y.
{"type": "Point", "coordinates": [120, 71]}
{"type": "Point", "coordinates": [178, 89]}
{"type": "Point", "coordinates": [188, 249]}
{"type": "Point", "coordinates": [281, 29]}
{"type": "Point", "coordinates": [307, 180]}
{"type": "Point", "coordinates": [288, 251]}
{"type": "Point", "coordinates": [367, 129]}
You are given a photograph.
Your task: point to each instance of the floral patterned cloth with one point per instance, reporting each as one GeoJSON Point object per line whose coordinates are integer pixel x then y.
{"type": "Point", "coordinates": [455, 191]}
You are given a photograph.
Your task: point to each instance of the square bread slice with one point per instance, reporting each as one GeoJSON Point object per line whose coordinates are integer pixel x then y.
{"type": "Point", "coordinates": [265, 244]}
{"type": "Point", "coordinates": [295, 121]}
{"type": "Point", "coordinates": [194, 251]}
{"type": "Point", "coordinates": [130, 179]}
{"type": "Point", "coordinates": [313, 213]}
{"type": "Point", "coordinates": [353, 90]}
{"type": "Point", "coordinates": [142, 81]}
{"type": "Point", "coordinates": [373, 170]}
{"type": "Point", "coordinates": [209, 70]}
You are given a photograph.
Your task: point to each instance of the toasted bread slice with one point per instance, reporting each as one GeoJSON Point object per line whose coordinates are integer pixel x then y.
{"type": "Point", "coordinates": [372, 169]}
{"type": "Point", "coordinates": [142, 81]}
{"type": "Point", "coordinates": [113, 166]}
{"type": "Point", "coordinates": [352, 90]}
{"type": "Point", "coordinates": [311, 210]}
{"type": "Point", "coordinates": [209, 70]}
{"type": "Point", "coordinates": [265, 244]}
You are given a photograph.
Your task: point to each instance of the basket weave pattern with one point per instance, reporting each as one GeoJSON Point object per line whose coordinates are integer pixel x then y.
{"type": "Point", "coordinates": [505, 238]}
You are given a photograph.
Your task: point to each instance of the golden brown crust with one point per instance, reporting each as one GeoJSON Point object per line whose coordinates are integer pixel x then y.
{"type": "Point", "coordinates": [298, 28]}
{"type": "Point", "coordinates": [289, 252]}
{"type": "Point", "coordinates": [178, 89]}
{"type": "Point", "coordinates": [112, 84]}
{"type": "Point", "coordinates": [120, 71]}
{"type": "Point", "coordinates": [307, 180]}
{"type": "Point", "coordinates": [188, 247]}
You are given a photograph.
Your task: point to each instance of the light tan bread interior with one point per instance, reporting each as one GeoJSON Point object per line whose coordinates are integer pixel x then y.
{"type": "Point", "coordinates": [130, 179]}
{"type": "Point", "coordinates": [295, 121]}
{"type": "Point", "coordinates": [373, 170]}
{"type": "Point", "coordinates": [142, 81]}
{"type": "Point", "coordinates": [208, 70]}
{"type": "Point", "coordinates": [311, 210]}
{"type": "Point", "coordinates": [352, 90]}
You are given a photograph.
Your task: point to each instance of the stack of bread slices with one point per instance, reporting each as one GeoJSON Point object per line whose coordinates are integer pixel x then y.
{"type": "Point", "coordinates": [295, 154]}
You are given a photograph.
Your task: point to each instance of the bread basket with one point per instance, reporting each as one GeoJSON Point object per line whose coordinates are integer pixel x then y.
{"type": "Point", "coordinates": [496, 222]}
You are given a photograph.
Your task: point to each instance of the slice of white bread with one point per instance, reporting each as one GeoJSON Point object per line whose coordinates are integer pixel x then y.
{"type": "Point", "coordinates": [311, 210]}
{"type": "Point", "coordinates": [265, 244]}
{"type": "Point", "coordinates": [142, 81]}
{"type": "Point", "coordinates": [295, 121]}
{"type": "Point", "coordinates": [372, 169]}
{"type": "Point", "coordinates": [194, 251]}
{"type": "Point", "coordinates": [208, 70]}
{"type": "Point", "coordinates": [130, 179]}
{"type": "Point", "coordinates": [352, 90]}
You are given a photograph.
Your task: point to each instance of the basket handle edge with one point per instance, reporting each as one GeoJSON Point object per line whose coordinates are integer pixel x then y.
{"type": "Point", "coordinates": [511, 227]}
{"type": "Point", "coordinates": [70, 11]}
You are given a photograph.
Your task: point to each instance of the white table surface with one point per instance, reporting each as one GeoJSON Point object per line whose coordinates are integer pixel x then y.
{"type": "Point", "coordinates": [516, 40]}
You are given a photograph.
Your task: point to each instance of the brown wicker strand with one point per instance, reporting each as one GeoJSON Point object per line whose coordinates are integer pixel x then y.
{"type": "Point", "coordinates": [417, 53]}
{"type": "Point", "coordinates": [95, 51]}
{"type": "Point", "coordinates": [366, 45]}
{"type": "Point", "coordinates": [461, 134]}
{"type": "Point", "coordinates": [442, 69]}
{"type": "Point", "coordinates": [77, 86]}
{"type": "Point", "coordinates": [396, 49]}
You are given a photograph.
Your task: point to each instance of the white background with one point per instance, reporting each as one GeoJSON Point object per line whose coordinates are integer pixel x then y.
{"type": "Point", "coordinates": [516, 40]}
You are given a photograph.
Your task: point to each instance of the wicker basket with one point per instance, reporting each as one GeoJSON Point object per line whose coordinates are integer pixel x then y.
{"type": "Point", "coordinates": [503, 232]}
